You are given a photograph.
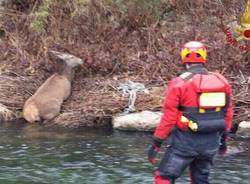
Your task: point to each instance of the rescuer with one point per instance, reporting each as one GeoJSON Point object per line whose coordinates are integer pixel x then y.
{"type": "Point", "coordinates": [197, 114]}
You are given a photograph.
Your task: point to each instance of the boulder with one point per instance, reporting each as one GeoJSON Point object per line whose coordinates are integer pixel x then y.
{"type": "Point", "coordinates": [142, 121]}
{"type": "Point", "coordinates": [244, 126]}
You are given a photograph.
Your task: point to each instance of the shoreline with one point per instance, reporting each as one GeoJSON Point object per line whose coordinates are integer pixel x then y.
{"type": "Point", "coordinates": [115, 46]}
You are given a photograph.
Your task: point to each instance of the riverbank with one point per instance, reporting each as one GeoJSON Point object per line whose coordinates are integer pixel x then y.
{"type": "Point", "coordinates": [93, 101]}
{"type": "Point", "coordinates": [121, 42]}
{"type": "Point", "coordinates": [94, 105]}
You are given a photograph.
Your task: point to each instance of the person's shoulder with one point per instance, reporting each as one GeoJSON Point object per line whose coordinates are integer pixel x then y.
{"type": "Point", "coordinates": [186, 75]}
{"type": "Point", "coordinates": [178, 80]}
{"type": "Point", "coordinates": [220, 76]}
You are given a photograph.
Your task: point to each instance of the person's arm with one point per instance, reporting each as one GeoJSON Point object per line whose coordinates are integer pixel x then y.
{"type": "Point", "coordinates": [229, 111]}
{"type": "Point", "coordinates": [228, 122]}
{"type": "Point", "coordinates": [168, 120]}
{"type": "Point", "coordinates": [170, 111]}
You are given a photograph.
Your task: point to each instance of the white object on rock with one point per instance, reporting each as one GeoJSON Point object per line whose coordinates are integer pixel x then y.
{"type": "Point", "coordinates": [244, 126]}
{"type": "Point", "coordinates": [143, 121]}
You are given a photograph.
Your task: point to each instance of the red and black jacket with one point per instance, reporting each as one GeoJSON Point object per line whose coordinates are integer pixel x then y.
{"type": "Point", "coordinates": [180, 94]}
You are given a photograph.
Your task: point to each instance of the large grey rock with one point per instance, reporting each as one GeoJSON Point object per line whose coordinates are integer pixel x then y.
{"type": "Point", "coordinates": [142, 121]}
{"type": "Point", "coordinates": [244, 126]}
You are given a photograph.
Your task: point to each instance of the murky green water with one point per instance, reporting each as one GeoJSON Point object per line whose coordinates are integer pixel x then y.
{"type": "Point", "coordinates": [33, 154]}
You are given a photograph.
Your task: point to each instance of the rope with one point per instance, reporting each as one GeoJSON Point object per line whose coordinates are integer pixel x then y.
{"type": "Point", "coordinates": [130, 89]}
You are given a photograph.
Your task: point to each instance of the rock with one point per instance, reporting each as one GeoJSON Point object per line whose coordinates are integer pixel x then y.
{"type": "Point", "coordinates": [244, 126]}
{"type": "Point", "coordinates": [142, 121]}
{"type": "Point", "coordinates": [6, 114]}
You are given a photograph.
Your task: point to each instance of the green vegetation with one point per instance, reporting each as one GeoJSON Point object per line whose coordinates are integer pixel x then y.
{"type": "Point", "coordinates": [40, 16]}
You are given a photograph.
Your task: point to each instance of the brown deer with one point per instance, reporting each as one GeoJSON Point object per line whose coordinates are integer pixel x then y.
{"type": "Point", "coordinates": [46, 103]}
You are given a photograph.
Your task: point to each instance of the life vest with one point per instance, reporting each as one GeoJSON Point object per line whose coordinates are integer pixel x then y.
{"type": "Point", "coordinates": [208, 115]}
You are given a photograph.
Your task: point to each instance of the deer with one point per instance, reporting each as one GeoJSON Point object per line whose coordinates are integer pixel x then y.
{"type": "Point", "coordinates": [45, 104]}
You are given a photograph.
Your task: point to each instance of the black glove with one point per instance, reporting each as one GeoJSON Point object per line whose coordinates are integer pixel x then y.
{"type": "Point", "coordinates": [234, 128]}
{"type": "Point", "coordinates": [153, 149]}
{"type": "Point", "coordinates": [223, 143]}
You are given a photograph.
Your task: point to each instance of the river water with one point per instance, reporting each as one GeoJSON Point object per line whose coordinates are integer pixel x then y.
{"type": "Point", "coordinates": [38, 155]}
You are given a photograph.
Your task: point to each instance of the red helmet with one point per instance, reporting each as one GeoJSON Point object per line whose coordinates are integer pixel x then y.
{"type": "Point", "coordinates": [193, 52]}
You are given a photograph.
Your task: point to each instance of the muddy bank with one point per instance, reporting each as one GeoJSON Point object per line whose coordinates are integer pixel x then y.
{"type": "Point", "coordinates": [117, 42]}
{"type": "Point", "coordinates": [92, 103]}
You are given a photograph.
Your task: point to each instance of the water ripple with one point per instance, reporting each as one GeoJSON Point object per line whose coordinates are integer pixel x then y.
{"type": "Point", "coordinates": [98, 158]}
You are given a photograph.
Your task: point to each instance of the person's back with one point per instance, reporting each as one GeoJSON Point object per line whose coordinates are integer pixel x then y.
{"type": "Point", "coordinates": [197, 109]}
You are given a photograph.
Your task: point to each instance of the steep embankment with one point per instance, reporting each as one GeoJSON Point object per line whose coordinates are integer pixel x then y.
{"type": "Point", "coordinates": [118, 41]}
